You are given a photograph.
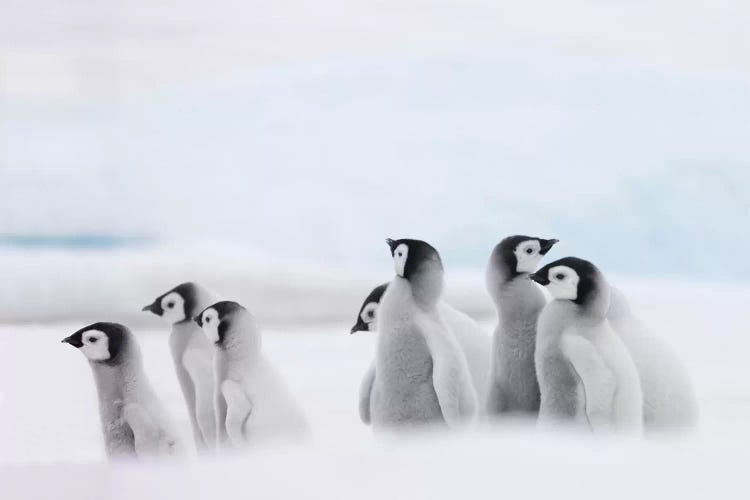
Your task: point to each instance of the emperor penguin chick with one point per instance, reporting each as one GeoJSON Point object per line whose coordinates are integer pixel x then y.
{"type": "Point", "coordinates": [421, 376]}
{"type": "Point", "coordinates": [585, 372]}
{"type": "Point", "coordinates": [253, 403]}
{"type": "Point", "coordinates": [513, 388]}
{"type": "Point", "coordinates": [133, 419]}
{"type": "Point", "coordinates": [669, 401]}
{"type": "Point", "coordinates": [474, 343]}
{"type": "Point", "coordinates": [192, 354]}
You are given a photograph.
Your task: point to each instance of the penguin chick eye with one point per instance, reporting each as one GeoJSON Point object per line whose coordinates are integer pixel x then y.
{"type": "Point", "coordinates": [370, 314]}
{"type": "Point", "coordinates": [170, 305]}
{"type": "Point", "coordinates": [560, 276]}
{"type": "Point", "coordinates": [92, 340]}
{"type": "Point", "coordinates": [401, 254]}
{"type": "Point", "coordinates": [529, 251]}
{"type": "Point", "coordinates": [208, 319]}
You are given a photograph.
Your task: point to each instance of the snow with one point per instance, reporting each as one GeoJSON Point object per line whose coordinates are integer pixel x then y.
{"type": "Point", "coordinates": [51, 442]}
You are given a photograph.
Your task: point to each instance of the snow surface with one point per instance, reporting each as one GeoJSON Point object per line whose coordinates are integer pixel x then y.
{"type": "Point", "coordinates": [50, 444]}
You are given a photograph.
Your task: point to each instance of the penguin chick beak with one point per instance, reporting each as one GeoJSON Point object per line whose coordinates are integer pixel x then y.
{"type": "Point", "coordinates": [539, 279]}
{"type": "Point", "coordinates": [74, 340]}
{"type": "Point", "coordinates": [546, 245]}
{"type": "Point", "coordinates": [154, 308]}
{"type": "Point", "coordinates": [198, 321]}
{"type": "Point", "coordinates": [360, 326]}
{"type": "Point", "coordinates": [391, 244]}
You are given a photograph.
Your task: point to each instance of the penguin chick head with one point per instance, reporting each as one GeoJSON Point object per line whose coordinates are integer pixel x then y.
{"type": "Point", "coordinates": [413, 256]}
{"type": "Point", "coordinates": [216, 320]}
{"type": "Point", "coordinates": [366, 320]}
{"type": "Point", "coordinates": [100, 342]}
{"type": "Point", "coordinates": [176, 305]}
{"type": "Point", "coordinates": [572, 279]}
{"type": "Point", "coordinates": [520, 254]}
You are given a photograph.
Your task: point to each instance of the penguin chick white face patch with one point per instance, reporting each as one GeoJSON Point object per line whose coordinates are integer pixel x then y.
{"type": "Point", "coordinates": [563, 283]}
{"type": "Point", "coordinates": [210, 320]}
{"type": "Point", "coordinates": [95, 345]}
{"type": "Point", "coordinates": [400, 254]}
{"type": "Point", "coordinates": [369, 315]}
{"type": "Point", "coordinates": [173, 306]}
{"type": "Point", "coordinates": [527, 256]}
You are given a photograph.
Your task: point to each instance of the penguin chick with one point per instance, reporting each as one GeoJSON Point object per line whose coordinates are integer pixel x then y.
{"type": "Point", "coordinates": [474, 343]}
{"type": "Point", "coordinates": [421, 374]}
{"type": "Point", "coordinates": [253, 403]}
{"type": "Point", "coordinates": [192, 354]}
{"type": "Point", "coordinates": [585, 372]}
{"type": "Point", "coordinates": [367, 317]}
{"type": "Point", "coordinates": [669, 401]}
{"type": "Point", "coordinates": [513, 386]}
{"type": "Point", "coordinates": [133, 419]}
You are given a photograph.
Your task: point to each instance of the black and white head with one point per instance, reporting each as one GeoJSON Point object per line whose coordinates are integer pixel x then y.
{"type": "Point", "coordinates": [101, 342]}
{"type": "Point", "coordinates": [217, 320]}
{"type": "Point", "coordinates": [574, 279]}
{"type": "Point", "coordinates": [520, 255]}
{"type": "Point", "coordinates": [411, 257]}
{"type": "Point", "coordinates": [177, 305]}
{"type": "Point", "coordinates": [367, 319]}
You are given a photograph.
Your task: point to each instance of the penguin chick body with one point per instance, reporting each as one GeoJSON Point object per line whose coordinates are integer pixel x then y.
{"type": "Point", "coordinates": [513, 388]}
{"type": "Point", "coordinates": [253, 403]}
{"type": "Point", "coordinates": [473, 341]}
{"type": "Point", "coordinates": [669, 401]}
{"type": "Point", "coordinates": [421, 375]}
{"type": "Point", "coordinates": [133, 419]}
{"type": "Point", "coordinates": [585, 372]}
{"type": "Point", "coordinates": [192, 355]}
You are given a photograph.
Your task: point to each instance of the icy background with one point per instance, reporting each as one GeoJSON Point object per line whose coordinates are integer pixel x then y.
{"type": "Point", "coordinates": [266, 149]}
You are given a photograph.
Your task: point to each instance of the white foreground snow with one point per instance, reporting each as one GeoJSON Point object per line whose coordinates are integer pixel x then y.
{"type": "Point", "coordinates": [50, 444]}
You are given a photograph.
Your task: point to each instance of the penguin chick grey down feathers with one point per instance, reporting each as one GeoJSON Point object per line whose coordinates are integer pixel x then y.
{"type": "Point", "coordinates": [474, 343]}
{"type": "Point", "coordinates": [421, 375]}
{"type": "Point", "coordinates": [253, 403]}
{"type": "Point", "coordinates": [133, 420]}
{"type": "Point", "coordinates": [585, 371]}
{"type": "Point", "coordinates": [669, 401]}
{"type": "Point", "coordinates": [513, 387]}
{"type": "Point", "coordinates": [192, 354]}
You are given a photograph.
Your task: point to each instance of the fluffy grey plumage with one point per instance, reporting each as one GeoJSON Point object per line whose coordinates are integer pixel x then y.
{"type": "Point", "coordinates": [669, 401]}
{"type": "Point", "coordinates": [253, 403]}
{"type": "Point", "coordinates": [192, 355]}
{"type": "Point", "coordinates": [585, 372]}
{"type": "Point", "coordinates": [473, 340]}
{"type": "Point", "coordinates": [133, 420]}
{"type": "Point", "coordinates": [513, 386]}
{"type": "Point", "coordinates": [421, 376]}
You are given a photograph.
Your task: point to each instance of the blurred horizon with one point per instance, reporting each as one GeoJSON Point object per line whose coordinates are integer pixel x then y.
{"type": "Point", "coordinates": [311, 132]}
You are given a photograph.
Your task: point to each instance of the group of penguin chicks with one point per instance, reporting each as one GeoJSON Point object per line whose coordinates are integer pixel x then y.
{"type": "Point", "coordinates": [581, 360]}
{"type": "Point", "coordinates": [233, 394]}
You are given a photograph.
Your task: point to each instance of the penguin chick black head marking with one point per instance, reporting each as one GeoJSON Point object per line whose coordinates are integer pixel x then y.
{"type": "Point", "coordinates": [100, 342]}
{"type": "Point", "coordinates": [217, 319]}
{"type": "Point", "coordinates": [520, 254]}
{"type": "Point", "coordinates": [570, 278]}
{"type": "Point", "coordinates": [176, 305]}
{"type": "Point", "coordinates": [409, 256]}
{"type": "Point", "coordinates": [366, 320]}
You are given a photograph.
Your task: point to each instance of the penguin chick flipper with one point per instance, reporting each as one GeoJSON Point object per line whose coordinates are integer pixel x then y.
{"type": "Point", "coordinates": [451, 378]}
{"type": "Point", "coordinates": [148, 437]}
{"type": "Point", "coordinates": [239, 408]}
{"type": "Point", "coordinates": [201, 374]}
{"type": "Point", "coordinates": [599, 382]}
{"type": "Point", "coordinates": [365, 393]}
